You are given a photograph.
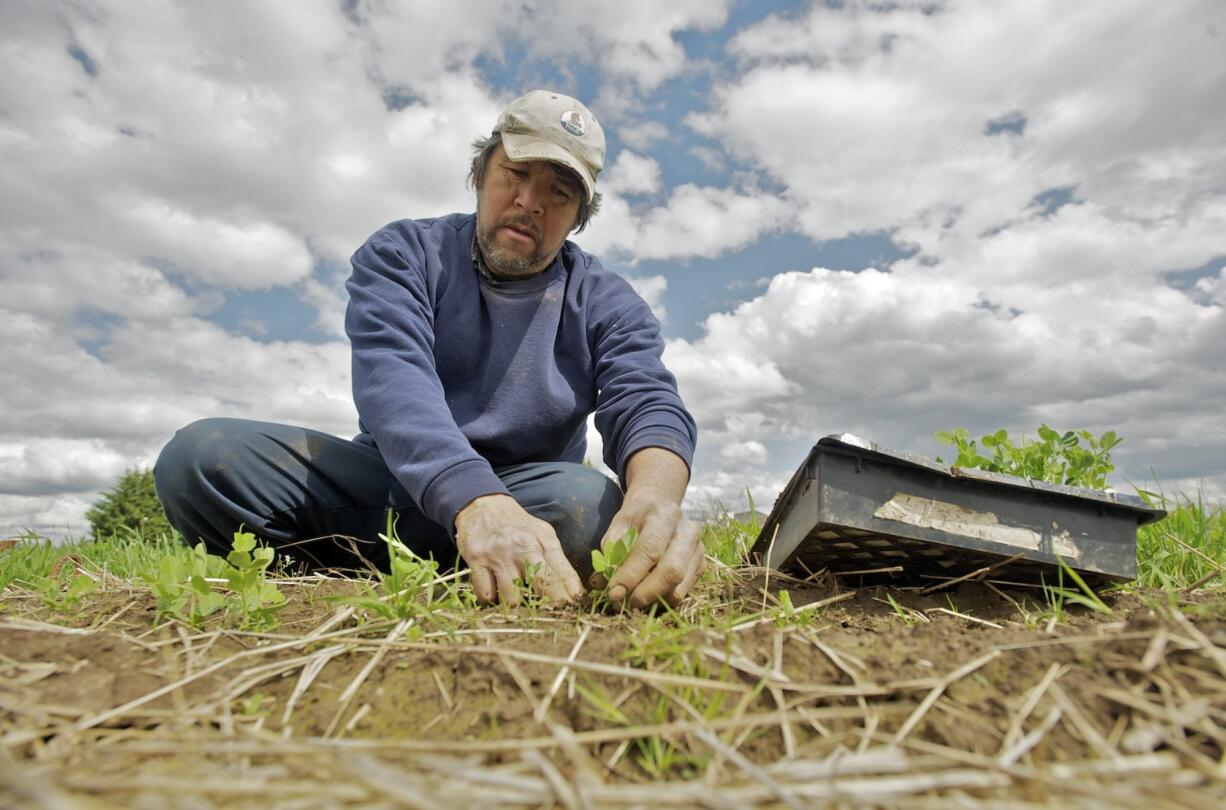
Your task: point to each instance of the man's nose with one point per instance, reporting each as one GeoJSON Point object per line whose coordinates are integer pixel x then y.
{"type": "Point", "coordinates": [530, 196]}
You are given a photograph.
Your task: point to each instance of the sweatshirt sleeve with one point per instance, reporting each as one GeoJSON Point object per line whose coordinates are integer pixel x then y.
{"type": "Point", "coordinates": [637, 405]}
{"type": "Point", "coordinates": [396, 387]}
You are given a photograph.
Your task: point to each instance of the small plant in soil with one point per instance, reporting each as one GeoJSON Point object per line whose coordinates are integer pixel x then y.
{"type": "Point", "coordinates": [257, 600]}
{"type": "Point", "coordinates": [909, 616]}
{"type": "Point", "coordinates": [412, 587]}
{"type": "Point", "coordinates": [63, 592]}
{"type": "Point", "coordinates": [605, 564]}
{"type": "Point", "coordinates": [1084, 595]}
{"type": "Point", "coordinates": [657, 755]}
{"type": "Point", "coordinates": [184, 592]}
{"type": "Point", "coordinates": [728, 540]}
{"type": "Point", "coordinates": [786, 614]}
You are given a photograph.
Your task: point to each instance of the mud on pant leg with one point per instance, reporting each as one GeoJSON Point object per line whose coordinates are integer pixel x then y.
{"type": "Point", "coordinates": [314, 497]}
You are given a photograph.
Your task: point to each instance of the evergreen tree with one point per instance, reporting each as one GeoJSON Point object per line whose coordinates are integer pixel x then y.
{"type": "Point", "coordinates": [133, 504]}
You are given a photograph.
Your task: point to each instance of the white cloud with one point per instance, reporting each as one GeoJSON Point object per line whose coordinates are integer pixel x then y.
{"type": "Point", "coordinates": [236, 255]}
{"type": "Point", "coordinates": [75, 420]}
{"type": "Point", "coordinates": [631, 173]}
{"type": "Point", "coordinates": [877, 115]}
{"type": "Point", "coordinates": [1213, 288]}
{"type": "Point", "coordinates": [52, 465]}
{"type": "Point", "coordinates": [634, 40]}
{"type": "Point", "coordinates": [651, 289]}
{"type": "Point", "coordinates": [750, 452]}
{"type": "Point", "coordinates": [729, 490]}
{"type": "Point", "coordinates": [642, 136]}
{"type": "Point", "coordinates": [705, 221]}
{"type": "Point", "coordinates": [713, 159]}
{"type": "Point", "coordinates": [48, 516]}
{"type": "Point", "coordinates": [694, 221]}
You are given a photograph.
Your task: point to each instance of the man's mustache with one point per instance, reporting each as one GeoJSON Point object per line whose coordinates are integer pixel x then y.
{"type": "Point", "coordinates": [522, 223]}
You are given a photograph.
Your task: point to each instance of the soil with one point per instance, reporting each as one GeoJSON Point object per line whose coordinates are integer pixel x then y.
{"type": "Point", "coordinates": [1138, 699]}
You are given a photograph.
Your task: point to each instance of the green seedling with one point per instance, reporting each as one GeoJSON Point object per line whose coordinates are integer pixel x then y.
{"type": "Point", "coordinates": [1055, 601]}
{"type": "Point", "coordinates": [608, 561]}
{"type": "Point", "coordinates": [254, 706]}
{"type": "Point", "coordinates": [657, 755]}
{"type": "Point", "coordinates": [1058, 458]}
{"type": "Point", "coordinates": [909, 617]}
{"type": "Point", "coordinates": [184, 592]}
{"type": "Point", "coordinates": [605, 564]}
{"type": "Point", "coordinates": [257, 599]}
{"type": "Point", "coordinates": [786, 610]}
{"type": "Point", "coordinates": [64, 594]}
{"type": "Point", "coordinates": [660, 756]}
{"type": "Point", "coordinates": [787, 615]}
{"type": "Point", "coordinates": [527, 586]}
{"type": "Point", "coordinates": [728, 540]}
{"type": "Point", "coordinates": [1084, 595]}
{"type": "Point", "coordinates": [411, 588]}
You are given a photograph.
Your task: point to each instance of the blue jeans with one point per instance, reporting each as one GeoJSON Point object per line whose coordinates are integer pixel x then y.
{"type": "Point", "coordinates": [323, 500]}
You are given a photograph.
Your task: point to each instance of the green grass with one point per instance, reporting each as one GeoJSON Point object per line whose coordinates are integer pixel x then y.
{"type": "Point", "coordinates": [728, 540]}
{"type": "Point", "coordinates": [128, 556]}
{"type": "Point", "coordinates": [1186, 548]}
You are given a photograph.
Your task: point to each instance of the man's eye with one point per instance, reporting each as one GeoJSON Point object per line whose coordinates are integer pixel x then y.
{"type": "Point", "coordinates": [561, 193]}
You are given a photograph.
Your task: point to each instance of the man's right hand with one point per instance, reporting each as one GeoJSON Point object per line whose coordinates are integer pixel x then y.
{"type": "Point", "coordinates": [497, 537]}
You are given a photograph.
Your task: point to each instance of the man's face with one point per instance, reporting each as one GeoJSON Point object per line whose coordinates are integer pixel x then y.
{"type": "Point", "coordinates": [525, 211]}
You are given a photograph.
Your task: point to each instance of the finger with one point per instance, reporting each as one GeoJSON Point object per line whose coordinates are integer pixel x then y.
{"type": "Point", "coordinates": [546, 581]}
{"type": "Point", "coordinates": [650, 547]}
{"type": "Point", "coordinates": [672, 569]}
{"type": "Point", "coordinates": [696, 568]}
{"type": "Point", "coordinates": [561, 573]}
{"type": "Point", "coordinates": [508, 592]}
{"type": "Point", "coordinates": [483, 584]}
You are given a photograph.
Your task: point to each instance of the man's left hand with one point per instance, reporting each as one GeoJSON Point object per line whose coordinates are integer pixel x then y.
{"type": "Point", "coordinates": [668, 555]}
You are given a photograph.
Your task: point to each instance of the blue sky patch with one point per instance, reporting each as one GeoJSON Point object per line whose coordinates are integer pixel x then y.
{"type": "Point", "coordinates": [93, 329]}
{"type": "Point", "coordinates": [270, 315]}
{"type": "Point", "coordinates": [1012, 123]}
{"type": "Point", "coordinates": [83, 59]}
{"type": "Point", "coordinates": [697, 287]}
{"type": "Point", "coordinates": [1053, 199]}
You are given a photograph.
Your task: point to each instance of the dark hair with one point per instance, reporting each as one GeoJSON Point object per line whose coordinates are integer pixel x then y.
{"type": "Point", "coordinates": [483, 149]}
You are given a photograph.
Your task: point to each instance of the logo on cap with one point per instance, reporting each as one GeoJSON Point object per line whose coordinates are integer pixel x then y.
{"type": "Point", "coordinates": [572, 122]}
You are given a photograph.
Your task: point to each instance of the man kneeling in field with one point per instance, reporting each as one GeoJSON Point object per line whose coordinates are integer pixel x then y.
{"type": "Point", "coordinates": [481, 343]}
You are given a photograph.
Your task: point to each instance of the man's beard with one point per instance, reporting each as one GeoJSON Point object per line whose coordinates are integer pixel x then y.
{"type": "Point", "coordinates": [504, 262]}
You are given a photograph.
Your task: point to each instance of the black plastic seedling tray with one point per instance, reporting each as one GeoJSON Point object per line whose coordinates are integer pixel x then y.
{"type": "Point", "coordinates": [854, 506]}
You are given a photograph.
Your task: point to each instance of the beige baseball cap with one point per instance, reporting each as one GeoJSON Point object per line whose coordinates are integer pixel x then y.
{"type": "Point", "coordinates": [543, 125]}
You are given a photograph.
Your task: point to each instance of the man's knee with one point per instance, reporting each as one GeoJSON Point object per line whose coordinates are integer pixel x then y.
{"type": "Point", "coordinates": [193, 452]}
{"type": "Point", "coordinates": [582, 502]}
{"type": "Point", "coordinates": [201, 466]}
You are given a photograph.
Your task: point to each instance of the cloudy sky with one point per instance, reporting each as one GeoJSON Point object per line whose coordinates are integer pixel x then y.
{"type": "Point", "coordinates": [882, 218]}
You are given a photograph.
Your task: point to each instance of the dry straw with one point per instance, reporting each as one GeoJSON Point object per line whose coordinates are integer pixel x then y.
{"type": "Point", "coordinates": [774, 711]}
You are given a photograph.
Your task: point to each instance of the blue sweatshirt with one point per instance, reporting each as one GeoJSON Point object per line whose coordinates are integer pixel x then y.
{"type": "Point", "coordinates": [456, 373]}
